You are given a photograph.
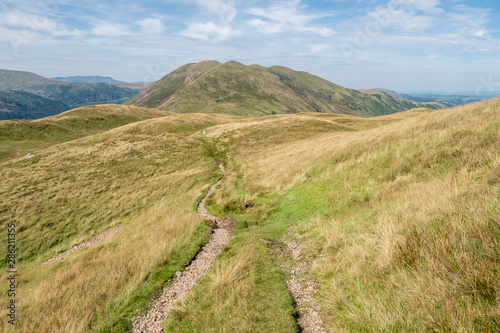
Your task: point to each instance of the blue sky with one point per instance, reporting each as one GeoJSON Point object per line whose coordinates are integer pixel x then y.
{"type": "Point", "coordinates": [404, 45]}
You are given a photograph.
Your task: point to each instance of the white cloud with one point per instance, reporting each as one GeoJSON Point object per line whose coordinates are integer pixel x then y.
{"type": "Point", "coordinates": [210, 31]}
{"type": "Point", "coordinates": [316, 48]}
{"type": "Point", "coordinates": [424, 17]}
{"type": "Point", "coordinates": [151, 26]}
{"type": "Point", "coordinates": [29, 25]}
{"type": "Point", "coordinates": [470, 22]}
{"type": "Point", "coordinates": [64, 32]}
{"type": "Point", "coordinates": [288, 16]}
{"type": "Point", "coordinates": [110, 30]}
{"type": "Point", "coordinates": [223, 8]}
{"type": "Point", "coordinates": [23, 20]}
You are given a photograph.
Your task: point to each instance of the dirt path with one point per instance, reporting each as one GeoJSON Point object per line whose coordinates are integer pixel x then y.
{"type": "Point", "coordinates": [186, 280]}
{"type": "Point", "coordinates": [87, 243]}
{"type": "Point", "coordinates": [300, 287]}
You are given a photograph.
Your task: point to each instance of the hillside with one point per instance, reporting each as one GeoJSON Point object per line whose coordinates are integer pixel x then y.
{"type": "Point", "coordinates": [20, 137]}
{"type": "Point", "coordinates": [24, 95]}
{"type": "Point", "coordinates": [386, 224]}
{"type": "Point", "coordinates": [23, 105]}
{"type": "Point", "coordinates": [234, 88]}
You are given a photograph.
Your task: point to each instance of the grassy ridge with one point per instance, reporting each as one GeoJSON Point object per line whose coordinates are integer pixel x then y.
{"type": "Point", "coordinates": [19, 137]}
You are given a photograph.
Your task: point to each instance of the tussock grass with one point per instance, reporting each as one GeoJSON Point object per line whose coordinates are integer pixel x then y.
{"type": "Point", "coordinates": [398, 217]}
{"type": "Point", "coordinates": [72, 191]}
{"type": "Point", "coordinates": [19, 137]}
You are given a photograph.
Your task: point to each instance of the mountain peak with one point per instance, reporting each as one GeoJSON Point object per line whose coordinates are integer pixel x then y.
{"type": "Point", "coordinates": [234, 88]}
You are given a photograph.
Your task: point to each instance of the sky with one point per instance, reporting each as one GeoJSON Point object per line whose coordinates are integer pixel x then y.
{"type": "Point", "coordinates": [440, 46]}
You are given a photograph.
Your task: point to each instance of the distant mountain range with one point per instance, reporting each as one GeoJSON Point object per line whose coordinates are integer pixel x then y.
{"type": "Point", "coordinates": [88, 79]}
{"type": "Point", "coordinates": [236, 89]}
{"type": "Point", "coordinates": [24, 95]}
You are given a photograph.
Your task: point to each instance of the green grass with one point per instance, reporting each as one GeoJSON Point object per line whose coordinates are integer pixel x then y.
{"type": "Point", "coordinates": [72, 191]}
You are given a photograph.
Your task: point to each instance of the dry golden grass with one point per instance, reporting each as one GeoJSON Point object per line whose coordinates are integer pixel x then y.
{"type": "Point", "coordinates": [19, 137]}
{"type": "Point", "coordinates": [72, 191]}
{"type": "Point", "coordinates": [398, 216]}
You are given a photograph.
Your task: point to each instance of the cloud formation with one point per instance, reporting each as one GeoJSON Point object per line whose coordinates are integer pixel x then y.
{"type": "Point", "coordinates": [151, 26]}
{"type": "Point", "coordinates": [210, 31]}
{"type": "Point", "coordinates": [384, 40]}
{"type": "Point", "coordinates": [223, 8]}
{"type": "Point", "coordinates": [110, 29]}
{"type": "Point", "coordinates": [288, 16]}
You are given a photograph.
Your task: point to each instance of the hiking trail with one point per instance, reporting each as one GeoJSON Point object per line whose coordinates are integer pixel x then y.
{"type": "Point", "coordinates": [187, 279]}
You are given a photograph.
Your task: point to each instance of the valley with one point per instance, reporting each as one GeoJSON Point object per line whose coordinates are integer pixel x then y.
{"type": "Point", "coordinates": [25, 95]}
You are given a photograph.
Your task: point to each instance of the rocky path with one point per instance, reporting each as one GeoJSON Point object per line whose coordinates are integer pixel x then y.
{"type": "Point", "coordinates": [87, 243]}
{"type": "Point", "coordinates": [302, 289]}
{"type": "Point", "coordinates": [186, 280]}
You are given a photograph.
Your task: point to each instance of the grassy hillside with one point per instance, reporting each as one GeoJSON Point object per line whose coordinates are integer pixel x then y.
{"type": "Point", "coordinates": [20, 137]}
{"type": "Point", "coordinates": [12, 79]}
{"type": "Point", "coordinates": [397, 216]}
{"type": "Point", "coordinates": [27, 95]}
{"type": "Point", "coordinates": [234, 88]}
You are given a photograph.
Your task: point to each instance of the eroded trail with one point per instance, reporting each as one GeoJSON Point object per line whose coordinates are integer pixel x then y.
{"type": "Point", "coordinates": [84, 245]}
{"type": "Point", "coordinates": [300, 287]}
{"type": "Point", "coordinates": [186, 280]}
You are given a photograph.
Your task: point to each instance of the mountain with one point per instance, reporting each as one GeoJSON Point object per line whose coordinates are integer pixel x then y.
{"type": "Point", "coordinates": [234, 88]}
{"type": "Point", "coordinates": [383, 224]}
{"type": "Point", "coordinates": [88, 79]}
{"type": "Point", "coordinates": [391, 93]}
{"type": "Point", "coordinates": [405, 101]}
{"type": "Point", "coordinates": [23, 105]}
{"type": "Point", "coordinates": [26, 95]}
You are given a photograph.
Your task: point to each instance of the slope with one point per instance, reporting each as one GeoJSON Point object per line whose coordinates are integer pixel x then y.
{"type": "Point", "coordinates": [22, 105]}
{"type": "Point", "coordinates": [146, 176]}
{"type": "Point", "coordinates": [71, 94]}
{"type": "Point", "coordinates": [234, 88]}
{"type": "Point", "coordinates": [397, 217]}
{"type": "Point", "coordinates": [19, 137]}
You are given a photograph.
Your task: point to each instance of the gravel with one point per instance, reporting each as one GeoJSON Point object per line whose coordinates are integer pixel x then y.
{"type": "Point", "coordinates": [302, 289]}
{"type": "Point", "coordinates": [87, 243]}
{"type": "Point", "coordinates": [186, 280]}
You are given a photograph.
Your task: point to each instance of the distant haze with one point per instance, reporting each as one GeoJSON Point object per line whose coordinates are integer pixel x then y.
{"type": "Point", "coordinates": [89, 79]}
